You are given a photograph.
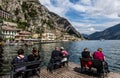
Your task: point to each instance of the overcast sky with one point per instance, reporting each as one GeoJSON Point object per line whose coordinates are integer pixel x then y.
{"type": "Point", "coordinates": [87, 16]}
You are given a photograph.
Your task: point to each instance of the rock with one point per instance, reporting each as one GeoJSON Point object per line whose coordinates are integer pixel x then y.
{"type": "Point", "coordinates": [37, 18]}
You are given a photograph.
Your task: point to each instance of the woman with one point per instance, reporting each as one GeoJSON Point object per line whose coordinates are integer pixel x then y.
{"type": "Point", "coordinates": [98, 55]}
{"type": "Point", "coordinates": [20, 58]}
{"type": "Point", "coordinates": [87, 57]}
{"type": "Point", "coordinates": [64, 55]}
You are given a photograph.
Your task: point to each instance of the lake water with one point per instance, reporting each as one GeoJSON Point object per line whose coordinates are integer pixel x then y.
{"type": "Point", "coordinates": [111, 49]}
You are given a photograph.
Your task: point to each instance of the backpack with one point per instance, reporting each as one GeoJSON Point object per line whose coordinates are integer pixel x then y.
{"type": "Point", "coordinates": [19, 59]}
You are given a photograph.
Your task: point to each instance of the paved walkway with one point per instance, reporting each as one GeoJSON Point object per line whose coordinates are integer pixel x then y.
{"type": "Point", "coordinates": [72, 71]}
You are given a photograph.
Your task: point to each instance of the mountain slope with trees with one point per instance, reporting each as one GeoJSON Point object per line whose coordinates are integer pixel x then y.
{"type": "Point", "coordinates": [112, 33]}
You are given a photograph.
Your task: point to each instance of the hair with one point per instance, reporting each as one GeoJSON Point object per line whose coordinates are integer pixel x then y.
{"type": "Point", "coordinates": [56, 48]}
{"type": "Point", "coordinates": [100, 49]}
{"type": "Point", "coordinates": [20, 51]}
{"type": "Point", "coordinates": [35, 50]}
{"type": "Point", "coordinates": [85, 49]}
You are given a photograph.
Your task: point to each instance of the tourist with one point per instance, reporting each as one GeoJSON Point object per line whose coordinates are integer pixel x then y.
{"type": "Point", "coordinates": [35, 56]}
{"type": "Point", "coordinates": [86, 55]}
{"type": "Point", "coordinates": [98, 55]}
{"type": "Point", "coordinates": [56, 54]}
{"type": "Point", "coordinates": [64, 55]}
{"type": "Point", "coordinates": [20, 58]}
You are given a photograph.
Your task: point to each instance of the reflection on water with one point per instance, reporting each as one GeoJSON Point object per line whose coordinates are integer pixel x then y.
{"type": "Point", "coordinates": [111, 50]}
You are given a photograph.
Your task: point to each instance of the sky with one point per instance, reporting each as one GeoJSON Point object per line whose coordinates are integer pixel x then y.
{"type": "Point", "coordinates": [86, 16]}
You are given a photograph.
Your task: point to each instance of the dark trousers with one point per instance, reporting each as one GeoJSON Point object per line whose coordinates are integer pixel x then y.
{"type": "Point", "coordinates": [101, 66]}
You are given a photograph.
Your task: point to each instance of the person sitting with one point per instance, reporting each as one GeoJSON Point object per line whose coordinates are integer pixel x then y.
{"type": "Point", "coordinates": [87, 57]}
{"type": "Point", "coordinates": [100, 57]}
{"type": "Point", "coordinates": [20, 58]}
{"type": "Point", "coordinates": [34, 57]}
{"type": "Point", "coordinates": [56, 56]}
{"type": "Point", "coordinates": [64, 55]}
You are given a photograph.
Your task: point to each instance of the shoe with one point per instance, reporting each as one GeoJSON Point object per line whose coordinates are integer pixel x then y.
{"type": "Point", "coordinates": [108, 71]}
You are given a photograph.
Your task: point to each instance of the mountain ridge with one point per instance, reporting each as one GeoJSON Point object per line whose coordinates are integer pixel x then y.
{"type": "Point", "coordinates": [111, 33]}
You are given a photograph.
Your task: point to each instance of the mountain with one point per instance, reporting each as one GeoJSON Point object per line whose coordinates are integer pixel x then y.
{"type": "Point", "coordinates": [86, 36]}
{"type": "Point", "coordinates": [112, 33]}
{"type": "Point", "coordinates": [31, 15]}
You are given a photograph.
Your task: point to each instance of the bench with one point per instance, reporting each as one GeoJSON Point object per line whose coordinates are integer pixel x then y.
{"type": "Point", "coordinates": [25, 64]}
{"type": "Point", "coordinates": [53, 65]}
{"type": "Point", "coordinates": [97, 64]}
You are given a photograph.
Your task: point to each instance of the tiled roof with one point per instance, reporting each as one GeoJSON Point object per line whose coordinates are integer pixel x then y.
{"type": "Point", "coordinates": [25, 32]}
{"type": "Point", "coordinates": [10, 28]}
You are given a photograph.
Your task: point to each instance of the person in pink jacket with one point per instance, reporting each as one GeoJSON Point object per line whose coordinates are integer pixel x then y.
{"type": "Point", "coordinates": [98, 55]}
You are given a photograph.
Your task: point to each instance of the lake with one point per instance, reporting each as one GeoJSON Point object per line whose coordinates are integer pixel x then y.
{"type": "Point", "coordinates": [111, 49]}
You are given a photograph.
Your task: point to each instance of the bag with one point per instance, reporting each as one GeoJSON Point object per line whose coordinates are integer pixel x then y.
{"type": "Point", "coordinates": [64, 59]}
{"type": "Point", "coordinates": [18, 60]}
{"type": "Point", "coordinates": [20, 69]}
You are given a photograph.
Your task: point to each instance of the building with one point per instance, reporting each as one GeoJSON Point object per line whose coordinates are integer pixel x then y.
{"type": "Point", "coordinates": [9, 30]}
{"type": "Point", "coordinates": [48, 36]}
{"type": "Point", "coordinates": [5, 15]}
{"type": "Point", "coordinates": [23, 35]}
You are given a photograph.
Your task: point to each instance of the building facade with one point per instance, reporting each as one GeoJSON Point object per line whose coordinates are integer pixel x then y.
{"type": "Point", "coordinates": [48, 36]}
{"type": "Point", "coordinates": [5, 15]}
{"type": "Point", "coordinates": [9, 30]}
{"type": "Point", "coordinates": [23, 35]}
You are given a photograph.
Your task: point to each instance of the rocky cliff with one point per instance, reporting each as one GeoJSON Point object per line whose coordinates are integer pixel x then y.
{"type": "Point", "coordinates": [112, 33]}
{"type": "Point", "coordinates": [33, 16]}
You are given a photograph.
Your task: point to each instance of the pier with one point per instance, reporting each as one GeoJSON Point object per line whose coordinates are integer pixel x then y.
{"type": "Point", "coordinates": [72, 71]}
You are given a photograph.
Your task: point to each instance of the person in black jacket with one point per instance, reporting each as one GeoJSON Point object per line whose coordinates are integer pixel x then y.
{"type": "Point", "coordinates": [35, 56]}
{"type": "Point", "coordinates": [20, 58]}
{"type": "Point", "coordinates": [56, 55]}
{"type": "Point", "coordinates": [86, 55]}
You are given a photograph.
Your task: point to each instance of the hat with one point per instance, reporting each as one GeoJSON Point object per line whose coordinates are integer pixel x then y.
{"type": "Point", "coordinates": [61, 47]}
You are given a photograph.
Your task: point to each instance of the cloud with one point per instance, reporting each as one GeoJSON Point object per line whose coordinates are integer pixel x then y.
{"type": "Point", "coordinates": [87, 16]}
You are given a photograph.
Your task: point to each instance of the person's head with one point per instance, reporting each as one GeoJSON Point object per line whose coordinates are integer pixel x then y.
{"type": "Point", "coordinates": [20, 52]}
{"type": "Point", "coordinates": [35, 51]}
{"type": "Point", "coordinates": [85, 49]}
{"type": "Point", "coordinates": [99, 49]}
{"type": "Point", "coordinates": [56, 48]}
{"type": "Point", "coordinates": [61, 48]}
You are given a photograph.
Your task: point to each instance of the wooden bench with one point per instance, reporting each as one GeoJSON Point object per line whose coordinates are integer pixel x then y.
{"type": "Point", "coordinates": [25, 64]}
{"type": "Point", "coordinates": [51, 66]}
{"type": "Point", "coordinates": [97, 64]}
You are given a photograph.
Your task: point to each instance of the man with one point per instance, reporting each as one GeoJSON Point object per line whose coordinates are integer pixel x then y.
{"type": "Point", "coordinates": [56, 58]}
{"type": "Point", "coordinates": [56, 54]}
{"type": "Point", "coordinates": [35, 56]}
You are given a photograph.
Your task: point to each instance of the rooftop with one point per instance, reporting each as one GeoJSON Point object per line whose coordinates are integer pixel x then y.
{"type": "Point", "coordinates": [7, 28]}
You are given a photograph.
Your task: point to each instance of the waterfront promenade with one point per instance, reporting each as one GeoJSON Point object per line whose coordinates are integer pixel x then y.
{"type": "Point", "coordinates": [72, 71]}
